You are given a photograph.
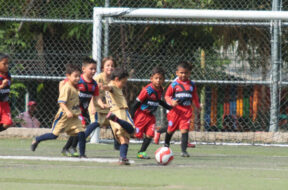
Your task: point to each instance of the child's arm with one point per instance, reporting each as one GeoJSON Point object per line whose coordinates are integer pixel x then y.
{"type": "Point", "coordinates": [66, 110]}
{"type": "Point", "coordinates": [4, 83]}
{"type": "Point", "coordinates": [165, 105]}
{"type": "Point", "coordinates": [168, 97]}
{"type": "Point", "coordinates": [99, 102]}
{"type": "Point", "coordinates": [135, 106]}
{"type": "Point", "coordinates": [61, 83]}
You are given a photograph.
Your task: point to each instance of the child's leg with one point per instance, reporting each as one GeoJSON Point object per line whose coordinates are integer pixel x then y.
{"type": "Point", "coordinates": [168, 137]}
{"type": "Point", "coordinates": [91, 128]}
{"type": "Point", "coordinates": [75, 142]}
{"type": "Point", "coordinates": [184, 140]}
{"type": "Point", "coordinates": [2, 128]}
{"type": "Point", "coordinates": [68, 143]}
{"type": "Point", "coordinates": [124, 124]}
{"type": "Point", "coordinates": [124, 141]}
{"type": "Point", "coordinates": [145, 144]}
{"type": "Point", "coordinates": [46, 136]}
{"type": "Point", "coordinates": [82, 144]}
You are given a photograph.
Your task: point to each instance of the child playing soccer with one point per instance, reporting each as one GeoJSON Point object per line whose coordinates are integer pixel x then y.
{"type": "Point", "coordinates": [121, 122]}
{"type": "Point", "coordinates": [5, 82]}
{"type": "Point", "coordinates": [66, 119]}
{"type": "Point", "coordinates": [146, 104]}
{"type": "Point", "coordinates": [180, 95]}
{"type": "Point", "coordinates": [88, 92]}
{"type": "Point", "coordinates": [99, 114]}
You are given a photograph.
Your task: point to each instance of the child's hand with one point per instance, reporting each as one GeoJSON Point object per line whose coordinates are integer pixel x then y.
{"type": "Point", "coordinates": [4, 83]}
{"type": "Point", "coordinates": [69, 114]}
{"type": "Point", "coordinates": [105, 88]}
{"type": "Point", "coordinates": [104, 106]}
{"type": "Point", "coordinates": [174, 103]}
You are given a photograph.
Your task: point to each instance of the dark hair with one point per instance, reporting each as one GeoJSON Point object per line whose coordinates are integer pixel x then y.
{"type": "Point", "coordinates": [70, 68]}
{"type": "Point", "coordinates": [120, 73]}
{"type": "Point", "coordinates": [158, 70]}
{"type": "Point", "coordinates": [3, 56]}
{"type": "Point", "coordinates": [87, 61]}
{"type": "Point", "coordinates": [107, 59]}
{"type": "Point", "coordinates": [184, 65]}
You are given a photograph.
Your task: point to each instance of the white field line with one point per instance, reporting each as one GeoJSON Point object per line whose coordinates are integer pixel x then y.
{"type": "Point", "coordinates": [66, 159]}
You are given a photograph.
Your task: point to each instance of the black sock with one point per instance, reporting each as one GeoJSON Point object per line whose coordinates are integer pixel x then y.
{"type": "Point", "coordinates": [145, 144]}
{"type": "Point", "coordinates": [2, 128]}
{"type": "Point", "coordinates": [90, 128]}
{"type": "Point", "coordinates": [82, 143]}
{"type": "Point", "coordinates": [125, 125]}
{"type": "Point", "coordinates": [123, 150]}
{"type": "Point", "coordinates": [68, 143]}
{"type": "Point", "coordinates": [75, 142]}
{"type": "Point", "coordinates": [162, 130]}
{"type": "Point", "coordinates": [46, 136]}
{"type": "Point", "coordinates": [184, 141]}
{"type": "Point", "coordinates": [167, 139]}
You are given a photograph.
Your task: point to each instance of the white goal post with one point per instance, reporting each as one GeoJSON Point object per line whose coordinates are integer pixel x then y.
{"type": "Point", "coordinates": [275, 19]}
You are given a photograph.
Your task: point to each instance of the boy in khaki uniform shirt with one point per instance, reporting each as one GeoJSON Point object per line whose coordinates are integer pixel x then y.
{"type": "Point", "coordinates": [121, 121]}
{"type": "Point", "coordinates": [66, 119]}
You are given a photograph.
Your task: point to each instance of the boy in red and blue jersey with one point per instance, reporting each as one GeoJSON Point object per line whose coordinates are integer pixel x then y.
{"type": "Point", "coordinates": [5, 82]}
{"type": "Point", "coordinates": [180, 94]}
{"type": "Point", "coordinates": [146, 104]}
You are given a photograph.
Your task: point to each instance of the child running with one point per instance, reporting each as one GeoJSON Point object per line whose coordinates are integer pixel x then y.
{"type": "Point", "coordinates": [66, 119]}
{"type": "Point", "coordinates": [88, 92]}
{"type": "Point", "coordinates": [180, 95]}
{"type": "Point", "coordinates": [5, 83]}
{"type": "Point", "coordinates": [121, 122]}
{"type": "Point", "coordinates": [146, 104]}
{"type": "Point", "coordinates": [96, 112]}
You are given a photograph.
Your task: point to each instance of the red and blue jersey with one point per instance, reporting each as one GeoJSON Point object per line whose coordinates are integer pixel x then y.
{"type": "Point", "coordinates": [149, 98]}
{"type": "Point", "coordinates": [184, 92]}
{"type": "Point", "coordinates": [87, 89]}
{"type": "Point", "coordinates": [4, 92]}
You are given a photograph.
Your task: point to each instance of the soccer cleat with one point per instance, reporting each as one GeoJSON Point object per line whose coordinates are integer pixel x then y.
{"type": "Point", "coordinates": [157, 138]}
{"type": "Point", "coordinates": [185, 154]}
{"type": "Point", "coordinates": [34, 145]}
{"type": "Point", "coordinates": [66, 152]}
{"type": "Point", "coordinates": [111, 116]}
{"type": "Point", "coordinates": [142, 155]}
{"type": "Point", "coordinates": [190, 145]}
{"type": "Point", "coordinates": [73, 152]}
{"type": "Point", "coordinates": [123, 161]}
{"type": "Point", "coordinates": [83, 156]}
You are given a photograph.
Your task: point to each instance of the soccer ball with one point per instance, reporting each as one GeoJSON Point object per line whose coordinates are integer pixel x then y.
{"type": "Point", "coordinates": [164, 155]}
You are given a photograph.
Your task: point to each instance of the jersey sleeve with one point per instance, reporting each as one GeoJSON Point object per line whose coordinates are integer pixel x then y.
{"type": "Point", "coordinates": [142, 96]}
{"type": "Point", "coordinates": [64, 94]}
{"type": "Point", "coordinates": [169, 94]}
{"type": "Point", "coordinates": [96, 91]}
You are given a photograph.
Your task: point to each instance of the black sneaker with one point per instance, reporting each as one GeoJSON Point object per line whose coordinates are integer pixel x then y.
{"type": "Point", "coordinates": [185, 154]}
{"type": "Point", "coordinates": [111, 116]}
{"type": "Point", "coordinates": [34, 145]}
{"type": "Point", "coordinates": [123, 161]}
{"type": "Point", "coordinates": [83, 156]}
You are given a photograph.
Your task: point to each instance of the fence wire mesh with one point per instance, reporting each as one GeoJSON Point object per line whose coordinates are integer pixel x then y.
{"type": "Point", "coordinates": [231, 59]}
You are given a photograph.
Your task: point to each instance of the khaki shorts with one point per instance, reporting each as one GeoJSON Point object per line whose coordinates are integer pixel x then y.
{"type": "Point", "coordinates": [71, 126]}
{"type": "Point", "coordinates": [100, 118]}
{"type": "Point", "coordinates": [118, 131]}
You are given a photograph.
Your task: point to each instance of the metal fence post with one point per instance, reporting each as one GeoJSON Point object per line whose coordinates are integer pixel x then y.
{"type": "Point", "coordinates": [96, 41]}
{"type": "Point", "coordinates": [106, 32]}
{"type": "Point", "coordinates": [275, 61]}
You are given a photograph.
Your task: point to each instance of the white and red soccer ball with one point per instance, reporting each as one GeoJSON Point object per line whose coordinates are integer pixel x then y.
{"type": "Point", "coordinates": [164, 155]}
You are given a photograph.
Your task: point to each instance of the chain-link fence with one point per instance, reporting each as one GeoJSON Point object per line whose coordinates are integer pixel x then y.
{"type": "Point", "coordinates": [231, 58]}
